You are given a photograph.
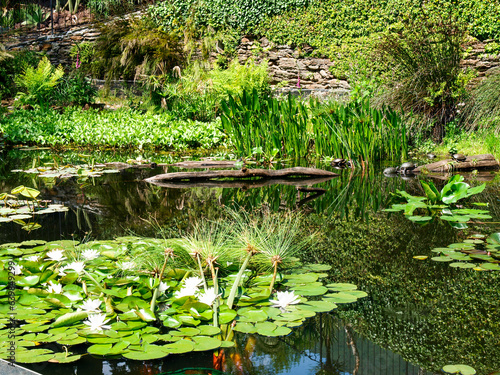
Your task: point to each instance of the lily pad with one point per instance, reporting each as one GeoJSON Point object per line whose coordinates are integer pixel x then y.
{"type": "Point", "coordinates": [459, 369]}
{"type": "Point", "coordinates": [179, 347]}
{"type": "Point", "coordinates": [203, 343]}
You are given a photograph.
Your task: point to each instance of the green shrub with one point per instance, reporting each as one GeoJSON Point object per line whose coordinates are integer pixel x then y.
{"type": "Point", "coordinates": [119, 129]}
{"type": "Point", "coordinates": [422, 60]}
{"type": "Point", "coordinates": [11, 67]}
{"type": "Point", "coordinates": [105, 8]}
{"type": "Point", "coordinates": [38, 84]}
{"type": "Point", "coordinates": [133, 49]}
{"type": "Point", "coordinates": [74, 89]}
{"type": "Point", "coordinates": [483, 107]}
{"type": "Point", "coordinates": [198, 93]}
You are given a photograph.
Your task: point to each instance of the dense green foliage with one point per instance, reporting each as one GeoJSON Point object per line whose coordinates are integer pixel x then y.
{"type": "Point", "coordinates": [483, 108]}
{"type": "Point", "coordinates": [38, 84]}
{"type": "Point", "coordinates": [196, 93]}
{"type": "Point", "coordinates": [121, 128]}
{"type": "Point", "coordinates": [132, 49]}
{"type": "Point", "coordinates": [328, 24]}
{"type": "Point", "coordinates": [239, 14]}
{"type": "Point", "coordinates": [359, 132]}
{"type": "Point", "coordinates": [423, 75]}
{"type": "Point", "coordinates": [10, 67]}
{"type": "Point", "coordinates": [288, 128]}
{"type": "Point", "coordinates": [267, 126]}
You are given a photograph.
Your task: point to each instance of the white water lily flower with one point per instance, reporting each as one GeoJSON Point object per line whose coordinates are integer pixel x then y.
{"type": "Point", "coordinates": [208, 297]}
{"type": "Point", "coordinates": [186, 291]}
{"type": "Point", "coordinates": [90, 254]}
{"type": "Point", "coordinates": [96, 322]}
{"type": "Point", "coordinates": [76, 266]}
{"type": "Point", "coordinates": [54, 288]}
{"type": "Point", "coordinates": [126, 266]}
{"type": "Point", "coordinates": [32, 258]}
{"type": "Point", "coordinates": [56, 255]}
{"type": "Point", "coordinates": [91, 305]}
{"type": "Point", "coordinates": [162, 287]}
{"type": "Point", "coordinates": [284, 299]}
{"type": "Point", "coordinates": [17, 270]}
{"type": "Point", "coordinates": [193, 282]}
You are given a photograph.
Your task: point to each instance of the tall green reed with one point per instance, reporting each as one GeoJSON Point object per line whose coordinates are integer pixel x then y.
{"type": "Point", "coordinates": [270, 125]}
{"type": "Point", "coordinates": [289, 128]}
{"type": "Point", "coordinates": [358, 132]}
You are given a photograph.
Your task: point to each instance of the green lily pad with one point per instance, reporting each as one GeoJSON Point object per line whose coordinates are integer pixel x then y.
{"type": "Point", "coordinates": [244, 327]}
{"type": "Point", "coordinates": [339, 287]}
{"type": "Point", "coordinates": [179, 347]}
{"type": "Point", "coordinates": [208, 330]}
{"type": "Point", "coordinates": [253, 315]}
{"type": "Point", "coordinates": [99, 349]}
{"type": "Point", "coordinates": [310, 290]}
{"type": "Point", "coordinates": [462, 265]}
{"type": "Point", "coordinates": [442, 259]}
{"type": "Point", "coordinates": [459, 369]}
{"type": "Point", "coordinates": [63, 358]}
{"type": "Point", "coordinates": [203, 343]}
{"type": "Point", "coordinates": [278, 331]}
{"type": "Point", "coordinates": [319, 306]}
{"type": "Point", "coordinates": [144, 356]}
{"type": "Point", "coordinates": [186, 331]}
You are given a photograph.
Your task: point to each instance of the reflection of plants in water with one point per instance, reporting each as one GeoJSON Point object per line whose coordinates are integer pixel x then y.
{"type": "Point", "coordinates": [413, 305]}
{"type": "Point", "coordinates": [442, 204]}
{"type": "Point", "coordinates": [347, 195]}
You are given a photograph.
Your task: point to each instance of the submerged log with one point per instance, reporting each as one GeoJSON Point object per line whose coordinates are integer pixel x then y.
{"type": "Point", "coordinates": [485, 161]}
{"type": "Point", "coordinates": [295, 172]}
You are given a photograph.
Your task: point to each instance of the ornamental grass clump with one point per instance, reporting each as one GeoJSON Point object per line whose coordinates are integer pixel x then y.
{"type": "Point", "coordinates": [423, 75]}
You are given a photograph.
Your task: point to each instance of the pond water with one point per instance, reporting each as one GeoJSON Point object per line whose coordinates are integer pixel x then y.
{"type": "Point", "coordinates": [419, 316]}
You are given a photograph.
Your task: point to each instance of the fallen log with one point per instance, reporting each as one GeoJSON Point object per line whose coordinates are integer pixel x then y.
{"type": "Point", "coordinates": [207, 164]}
{"type": "Point", "coordinates": [295, 172]}
{"type": "Point", "coordinates": [245, 185]}
{"type": "Point", "coordinates": [485, 161]}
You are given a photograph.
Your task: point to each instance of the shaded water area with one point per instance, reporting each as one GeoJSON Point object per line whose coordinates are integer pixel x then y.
{"type": "Point", "coordinates": [419, 316]}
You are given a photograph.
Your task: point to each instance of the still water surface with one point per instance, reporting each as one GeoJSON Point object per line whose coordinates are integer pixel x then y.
{"type": "Point", "coordinates": [419, 316]}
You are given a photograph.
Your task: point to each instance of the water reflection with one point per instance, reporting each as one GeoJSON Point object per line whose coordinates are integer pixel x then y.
{"type": "Point", "coordinates": [323, 345]}
{"type": "Point", "coordinates": [409, 299]}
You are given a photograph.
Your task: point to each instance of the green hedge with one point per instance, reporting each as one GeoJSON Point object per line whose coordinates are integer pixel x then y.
{"type": "Point", "coordinates": [120, 128]}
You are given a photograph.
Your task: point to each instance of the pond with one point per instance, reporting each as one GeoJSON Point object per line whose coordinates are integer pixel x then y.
{"type": "Point", "coordinates": [419, 315]}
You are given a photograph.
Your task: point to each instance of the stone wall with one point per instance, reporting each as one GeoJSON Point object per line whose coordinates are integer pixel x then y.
{"type": "Point", "coordinates": [287, 70]}
{"type": "Point", "coordinates": [57, 46]}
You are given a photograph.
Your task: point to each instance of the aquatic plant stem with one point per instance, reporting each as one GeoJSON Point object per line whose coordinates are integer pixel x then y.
{"type": "Point", "coordinates": [275, 272]}
{"type": "Point", "coordinates": [234, 289]}
{"type": "Point", "coordinates": [202, 274]}
{"type": "Point", "coordinates": [98, 286]}
{"type": "Point", "coordinates": [160, 277]}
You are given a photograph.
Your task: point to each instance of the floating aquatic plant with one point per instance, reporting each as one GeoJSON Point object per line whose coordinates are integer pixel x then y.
{"type": "Point", "coordinates": [440, 204]}
{"type": "Point", "coordinates": [142, 315]}
{"type": "Point", "coordinates": [476, 252]}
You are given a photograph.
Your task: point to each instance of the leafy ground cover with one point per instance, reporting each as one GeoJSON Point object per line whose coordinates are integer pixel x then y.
{"type": "Point", "coordinates": [122, 128]}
